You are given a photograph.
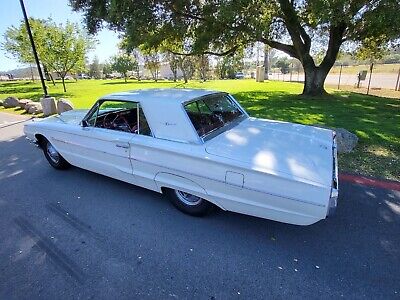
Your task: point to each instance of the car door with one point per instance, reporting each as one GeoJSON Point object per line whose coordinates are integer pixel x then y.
{"type": "Point", "coordinates": [106, 149]}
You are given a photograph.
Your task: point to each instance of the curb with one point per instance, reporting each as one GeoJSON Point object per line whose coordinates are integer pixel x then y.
{"type": "Point", "coordinates": [373, 182]}
{"type": "Point", "coordinates": [14, 123]}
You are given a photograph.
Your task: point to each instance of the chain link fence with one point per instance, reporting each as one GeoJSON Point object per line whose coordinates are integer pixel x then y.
{"type": "Point", "coordinates": [384, 80]}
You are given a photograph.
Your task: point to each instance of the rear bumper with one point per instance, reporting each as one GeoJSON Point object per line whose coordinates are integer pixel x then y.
{"type": "Point", "coordinates": [333, 202]}
{"type": "Point", "coordinates": [335, 181]}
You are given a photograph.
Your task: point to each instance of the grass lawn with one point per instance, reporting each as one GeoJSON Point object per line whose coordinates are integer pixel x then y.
{"type": "Point", "coordinates": [375, 120]}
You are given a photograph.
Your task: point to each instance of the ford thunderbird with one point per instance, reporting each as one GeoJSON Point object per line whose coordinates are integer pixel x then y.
{"type": "Point", "coordinates": [201, 149]}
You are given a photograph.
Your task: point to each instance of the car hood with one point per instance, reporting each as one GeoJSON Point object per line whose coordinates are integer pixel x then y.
{"type": "Point", "coordinates": [294, 151]}
{"type": "Point", "coordinates": [72, 117]}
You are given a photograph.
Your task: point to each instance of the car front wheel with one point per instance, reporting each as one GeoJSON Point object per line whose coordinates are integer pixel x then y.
{"type": "Point", "coordinates": [53, 157]}
{"type": "Point", "coordinates": [188, 203]}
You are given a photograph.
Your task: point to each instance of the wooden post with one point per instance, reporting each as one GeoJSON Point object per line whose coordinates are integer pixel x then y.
{"type": "Point", "coordinates": [397, 88]}
{"type": "Point", "coordinates": [370, 75]}
{"type": "Point", "coordinates": [340, 75]}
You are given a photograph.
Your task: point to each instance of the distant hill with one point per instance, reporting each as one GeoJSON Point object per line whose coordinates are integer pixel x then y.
{"type": "Point", "coordinates": [23, 72]}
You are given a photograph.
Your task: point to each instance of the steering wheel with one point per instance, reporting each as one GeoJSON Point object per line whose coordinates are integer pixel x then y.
{"type": "Point", "coordinates": [112, 124]}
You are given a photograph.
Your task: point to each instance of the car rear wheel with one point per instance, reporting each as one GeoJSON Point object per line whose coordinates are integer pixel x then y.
{"type": "Point", "coordinates": [188, 203]}
{"type": "Point", "coordinates": [53, 157]}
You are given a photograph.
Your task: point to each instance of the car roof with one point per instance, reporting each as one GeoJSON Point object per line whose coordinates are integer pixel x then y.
{"type": "Point", "coordinates": [164, 111]}
{"type": "Point", "coordinates": [156, 95]}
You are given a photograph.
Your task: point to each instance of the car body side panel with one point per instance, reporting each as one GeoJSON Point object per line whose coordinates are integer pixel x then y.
{"type": "Point", "coordinates": [93, 149]}
{"type": "Point", "coordinates": [262, 195]}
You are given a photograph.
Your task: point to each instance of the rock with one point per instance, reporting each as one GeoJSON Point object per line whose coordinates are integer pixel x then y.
{"type": "Point", "coordinates": [10, 102]}
{"type": "Point", "coordinates": [49, 106]}
{"type": "Point", "coordinates": [35, 108]}
{"type": "Point", "coordinates": [64, 105]}
{"type": "Point", "coordinates": [1, 102]}
{"type": "Point", "coordinates": [346, 141]}
{"type": "Point", "coordinates": [28, 105]}
{"type": "Point", "coordinates": [24, 102]}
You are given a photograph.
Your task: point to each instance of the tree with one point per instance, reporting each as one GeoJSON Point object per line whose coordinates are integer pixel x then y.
{"type": "Point", "coordinates": [230, 64]}
{"type": "Point", "coordinates": [283, 64]}
{"type": "Point", "coordinates": [65, 49]}
{"type": "Point", "coordinates": [187, 66]}
{"type": "Point", "coordinates": [107, 69]}
{"type": "Point", "coordinates": [203, 66]}
{"type": "Point", "coordinates": [173, 62]}
{"type": "Point", "coordinates": [221, 27]}
{"type": "Point", "coordinates": [123, 63]}
{"type": "Point", "coordinates": [16, 42]}
{"type": "Point", "coordinates": [61, 49]}
{"type": "Point", "coordinates": [136, 54]}
{"type": "Point", "coordinates": [152, 63]}
{"type": "Point", "coordinates": [95, 68]}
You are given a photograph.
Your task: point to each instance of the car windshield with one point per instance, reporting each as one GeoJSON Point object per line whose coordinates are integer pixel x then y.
{"type": "Point", "coordinates": [211, 113]}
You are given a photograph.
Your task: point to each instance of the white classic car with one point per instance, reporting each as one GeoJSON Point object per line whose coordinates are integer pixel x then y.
{"type": "Point", "coordinates": [201, 149]}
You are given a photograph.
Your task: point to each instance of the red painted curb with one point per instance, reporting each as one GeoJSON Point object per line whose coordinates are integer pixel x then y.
{"type": "Point", "coordinates": [389, 185]}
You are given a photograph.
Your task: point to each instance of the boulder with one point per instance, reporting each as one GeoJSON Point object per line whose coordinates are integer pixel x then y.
{"type": "Point", "coordinates": [10, 102]}
{"type": "Point", "coordinates": [23, 102]}
{"type": "Point", "coordinates": [35, 108]}
{"type": "Point", "coordinates": [49, 106]}
{"type": "Point", "coordinates": [64, 105]}
{"type": "Point", "coordinates": [28, 105]}
{"type": "Point", "coordinates": [346, 141]}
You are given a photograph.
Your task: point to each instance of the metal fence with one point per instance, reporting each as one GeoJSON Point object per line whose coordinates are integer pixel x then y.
{"type": "Point", "coordinates": [382, 77]}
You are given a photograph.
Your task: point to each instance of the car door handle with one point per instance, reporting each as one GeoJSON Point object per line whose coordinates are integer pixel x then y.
{"type": "Point", "coordinates": [122, 145]}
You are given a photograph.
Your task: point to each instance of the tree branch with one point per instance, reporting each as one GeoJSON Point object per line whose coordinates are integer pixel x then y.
{"type": "Point", "coordinates": [185, 14]}
{"type": "Point", "coordinates": [336, 33]}
{"type": "Point", "coordinates": [227, 52]}
{"type": "Point", "coordinates": [288, 49]}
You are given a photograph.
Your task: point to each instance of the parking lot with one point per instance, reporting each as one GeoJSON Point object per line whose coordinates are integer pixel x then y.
{"type": "Point", "coordinates": [76, 234]}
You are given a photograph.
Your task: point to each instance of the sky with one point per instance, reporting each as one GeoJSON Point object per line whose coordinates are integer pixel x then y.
{"type": "Point", "coordinates": [60, 12]}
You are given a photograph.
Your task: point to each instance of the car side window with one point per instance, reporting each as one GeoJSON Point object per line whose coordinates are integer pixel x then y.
{"type": "Point", "coordinates": [124, 116]}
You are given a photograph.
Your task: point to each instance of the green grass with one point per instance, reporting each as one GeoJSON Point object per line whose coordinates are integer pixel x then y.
{"type": "Point", "coordinates": [375, 120]}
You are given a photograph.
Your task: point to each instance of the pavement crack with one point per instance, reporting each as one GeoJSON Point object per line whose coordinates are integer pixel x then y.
{"type": "Point", "coordinates": [47, 246]}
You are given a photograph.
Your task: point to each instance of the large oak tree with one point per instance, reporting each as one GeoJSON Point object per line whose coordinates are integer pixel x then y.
{"type": "Point", "coordinates": [221, 27]}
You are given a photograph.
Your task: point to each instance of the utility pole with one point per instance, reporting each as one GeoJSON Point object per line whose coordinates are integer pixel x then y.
{"type": "Point", "coordinates": [28, 28]}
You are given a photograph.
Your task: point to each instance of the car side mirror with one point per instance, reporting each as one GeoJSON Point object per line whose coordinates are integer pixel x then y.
{"type": "Point", "coordinates": [84, 123]}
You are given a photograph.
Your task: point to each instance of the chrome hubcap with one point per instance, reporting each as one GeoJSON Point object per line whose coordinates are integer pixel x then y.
{"type": "Point", "coordinates": [53, 154]}
{"type": "Point", "coordinates": [187, 198]}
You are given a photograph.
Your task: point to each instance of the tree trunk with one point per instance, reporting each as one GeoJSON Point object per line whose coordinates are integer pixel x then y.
{"type": "Point", "coordinates": [125, 77]}
{"type": "Point", "coordinates": [314, 81]}
{"type": "Point", "coordinates": [52, 79]}
{"type": "Point", "coordinates": [185, 77]}
{"type": "Point", "coordinates": [63, 82]}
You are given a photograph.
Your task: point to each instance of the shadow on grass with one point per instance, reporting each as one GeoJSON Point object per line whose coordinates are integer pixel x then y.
{"type": "Point", "coordinates": [18, 89]}
{"type": "Point", "coordinates": [122, 82]}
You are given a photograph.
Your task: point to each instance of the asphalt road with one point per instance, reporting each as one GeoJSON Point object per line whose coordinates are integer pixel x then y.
{"type": "Point", "coordinates": [76, 234]}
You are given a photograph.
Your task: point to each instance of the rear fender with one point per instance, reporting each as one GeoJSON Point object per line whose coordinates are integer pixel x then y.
{"type": "Point", "coordinates": [176, 182]}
